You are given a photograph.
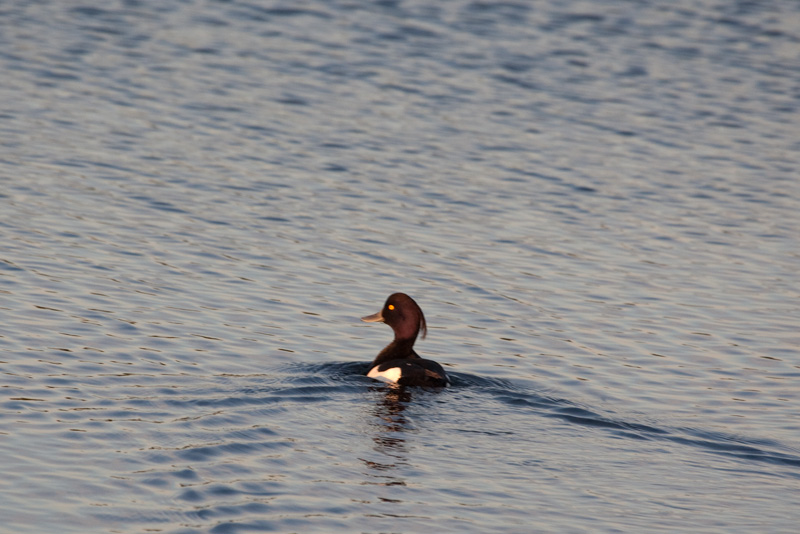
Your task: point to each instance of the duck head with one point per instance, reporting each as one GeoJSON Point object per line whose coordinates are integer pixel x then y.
{"type": "Point", "coordinates": [403, 315]}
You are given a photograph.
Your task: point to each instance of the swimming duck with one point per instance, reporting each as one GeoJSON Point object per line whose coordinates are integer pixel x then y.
{"type": "Point", "coordinates": [398, 363]}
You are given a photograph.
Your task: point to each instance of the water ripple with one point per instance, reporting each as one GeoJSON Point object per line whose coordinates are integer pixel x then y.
{"type": "Point", "coordinates": [596, 207]}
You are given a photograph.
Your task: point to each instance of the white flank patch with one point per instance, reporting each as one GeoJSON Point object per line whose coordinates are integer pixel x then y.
{"type": "Point", "coordinates": [390, 375]}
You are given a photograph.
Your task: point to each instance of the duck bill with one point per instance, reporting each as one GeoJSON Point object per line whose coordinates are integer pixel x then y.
{"type": "Point", "coordinates": [374, 318]}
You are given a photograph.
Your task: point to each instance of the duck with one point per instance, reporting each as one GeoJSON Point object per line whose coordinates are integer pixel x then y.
{"type": "Point", "coordinates": [398, 363]}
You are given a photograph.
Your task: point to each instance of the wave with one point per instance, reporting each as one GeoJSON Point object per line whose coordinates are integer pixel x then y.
{"type": "Point", "coordinates": [516, 396]}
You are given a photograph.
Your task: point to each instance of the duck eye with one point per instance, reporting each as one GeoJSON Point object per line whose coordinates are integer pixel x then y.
{"type": "Point", "coordinates": [390, 306]}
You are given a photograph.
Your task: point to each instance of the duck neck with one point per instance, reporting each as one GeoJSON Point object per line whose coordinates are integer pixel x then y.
{"type": "Point", "coordinates": [398, 349]}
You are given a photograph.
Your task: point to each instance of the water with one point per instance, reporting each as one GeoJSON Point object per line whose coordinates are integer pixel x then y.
{"type": "Point", "coordinates": [595, 203]}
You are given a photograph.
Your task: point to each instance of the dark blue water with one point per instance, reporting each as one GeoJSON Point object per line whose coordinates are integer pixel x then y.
{"type": "Point", "coordinates": [596, 204]}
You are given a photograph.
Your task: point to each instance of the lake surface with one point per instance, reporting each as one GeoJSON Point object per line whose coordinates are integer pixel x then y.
{"type": "Point", "coordinates": [596, 204]}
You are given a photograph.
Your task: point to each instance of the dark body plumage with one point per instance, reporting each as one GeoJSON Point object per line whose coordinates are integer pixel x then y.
{"type": "Point", "coordinates": [398, 363]}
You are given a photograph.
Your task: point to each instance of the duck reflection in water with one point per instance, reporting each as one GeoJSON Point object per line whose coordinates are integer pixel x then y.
{"type": "Point", "coordinates": [391, 430]}
{"type": "Point", "coordinates": [390, 426]}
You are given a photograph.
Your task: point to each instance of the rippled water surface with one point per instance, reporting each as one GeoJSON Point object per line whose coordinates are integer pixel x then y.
{"type": "Point", "coordinates": [596, 204]}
